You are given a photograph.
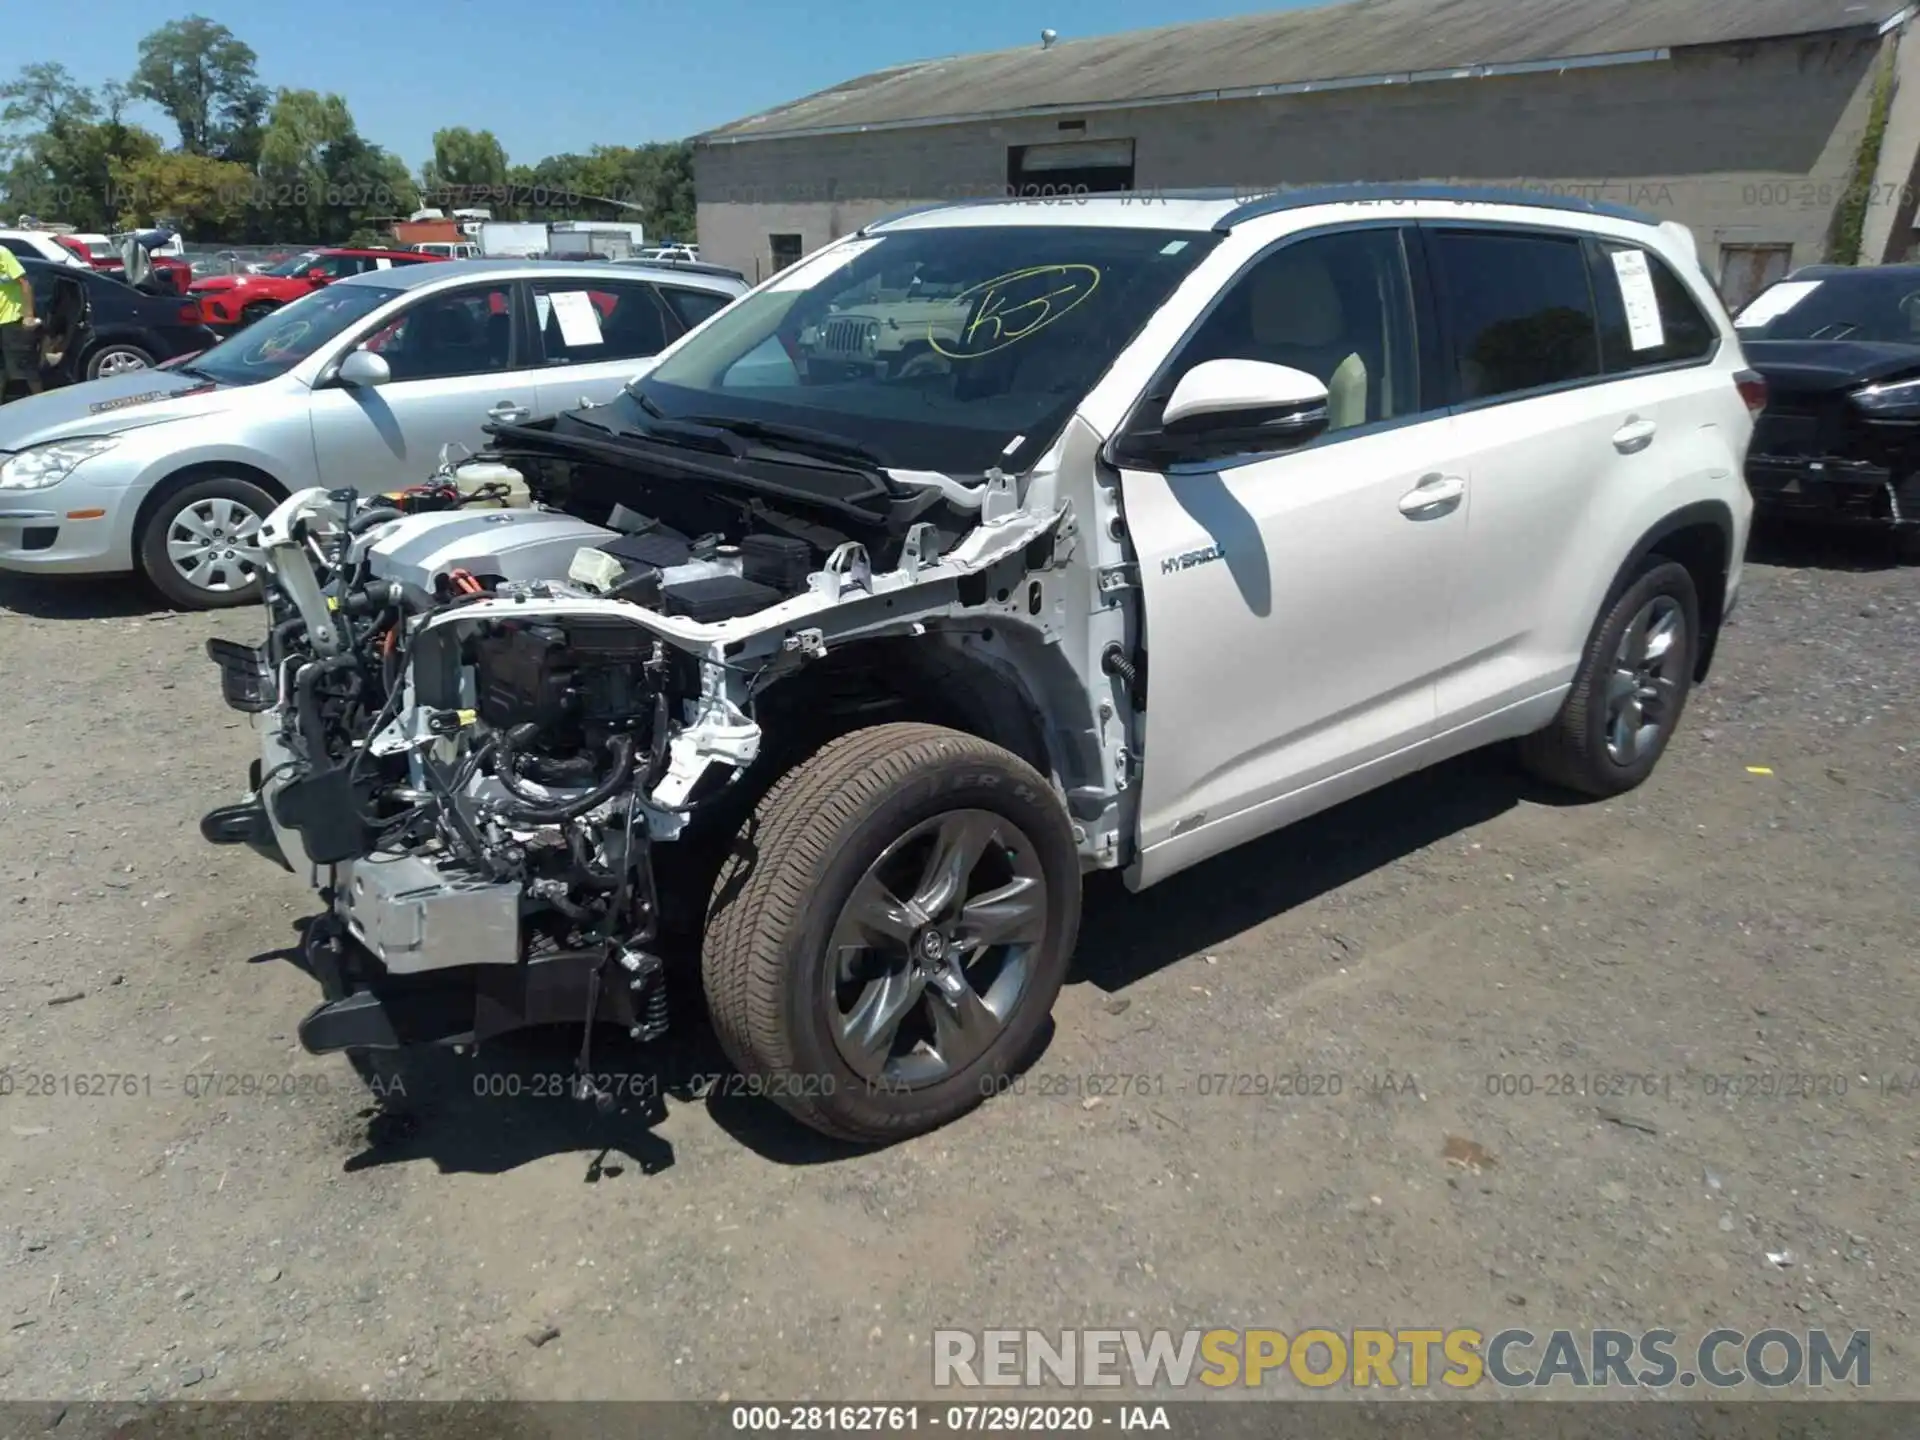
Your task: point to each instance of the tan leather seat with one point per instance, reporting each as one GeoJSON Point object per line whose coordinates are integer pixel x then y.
{"type": "Point", "coordinates": [1295, 317]}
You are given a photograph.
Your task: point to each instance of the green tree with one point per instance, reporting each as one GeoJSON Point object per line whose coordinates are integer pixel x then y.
{"type": "Point", "coordinates": [63, 145]}
{"type": "Point", "coordinates": [206, 197]}
{"type": "Point", "coordinates": [469, 167]}
{"type": "Point", "coordinates": [650, 183]}
{"type": "Point", "coordinates": [320, 179]}
{"type": "Point", "coordinates": [46, 98]}
{"type": "Point", "coordinates": [203, 76]}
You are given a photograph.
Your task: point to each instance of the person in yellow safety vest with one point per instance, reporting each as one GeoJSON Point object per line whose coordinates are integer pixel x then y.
{"type": "Point", "coordinates": [19, 327]}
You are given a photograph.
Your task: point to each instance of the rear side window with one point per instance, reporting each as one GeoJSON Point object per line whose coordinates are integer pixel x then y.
{"type": "Point", "coordinates": [693, 306]}
{"type": "Point", "coordinates": [1648, 317]}
{"type": "Point", "coordinates": [1520, 310]}
{"type": "Point", "coordinates": [599, 320]}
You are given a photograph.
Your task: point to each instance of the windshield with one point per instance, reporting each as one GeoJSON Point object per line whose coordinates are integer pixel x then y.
{"type": "Point", "coordinates": [947, 349]}
{"type": "Point", "coordinates": [298, 265]}
{"type": "Point", "coordinates": [277, 342]}
{"type": "Point", "coordinates": [1867, 305]}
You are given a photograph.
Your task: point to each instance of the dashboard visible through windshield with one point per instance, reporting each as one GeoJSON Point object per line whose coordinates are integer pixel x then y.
{"type": "Point", "coordinates": [950, 349]}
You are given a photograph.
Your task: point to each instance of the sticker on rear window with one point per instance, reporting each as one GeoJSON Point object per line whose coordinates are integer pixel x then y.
{"type": "Point", "coordinates": [1774, 303]}
{"type": "Point", "coordinates": [1644, 328]}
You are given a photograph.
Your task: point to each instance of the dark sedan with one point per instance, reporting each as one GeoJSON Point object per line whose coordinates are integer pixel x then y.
{"type": "Point", "coordinates": [93, 325]}
{"type": "Point", "coordinates": [1840, 436]}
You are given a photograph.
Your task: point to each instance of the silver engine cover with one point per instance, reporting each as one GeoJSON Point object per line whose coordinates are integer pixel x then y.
{"type": "Point", "coordinates": [517, 545]}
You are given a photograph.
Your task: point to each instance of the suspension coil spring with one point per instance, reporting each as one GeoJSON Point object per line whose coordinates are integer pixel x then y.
{"type": "Point", "coordinates": [653, 1022]}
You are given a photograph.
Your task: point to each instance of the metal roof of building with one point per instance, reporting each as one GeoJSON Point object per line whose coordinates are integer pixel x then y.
{"type": "Point", "coordinates": [1324, 47]}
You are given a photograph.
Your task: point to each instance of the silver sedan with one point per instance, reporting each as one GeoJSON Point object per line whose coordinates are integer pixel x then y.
{"type": "Point", "coordinates": [170, 471]}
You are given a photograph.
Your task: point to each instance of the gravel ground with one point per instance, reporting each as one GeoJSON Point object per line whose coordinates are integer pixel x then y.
{"type": "Point", "coordinates": [1436, 954]}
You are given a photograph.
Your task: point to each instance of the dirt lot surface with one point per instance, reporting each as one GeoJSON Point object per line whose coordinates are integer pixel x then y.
{"type": "Point", "coordinates": [194, 1207]}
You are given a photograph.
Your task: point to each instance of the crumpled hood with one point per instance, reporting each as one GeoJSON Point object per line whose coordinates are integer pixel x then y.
{"type": "Point", "coordinates": [110, 406]}
{"type": "Point", "coordinates": [217, 282]}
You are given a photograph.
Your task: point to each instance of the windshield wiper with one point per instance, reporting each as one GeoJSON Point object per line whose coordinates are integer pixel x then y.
{"type": "Point", "coordinates": [816, 444]}
{"type": "Point", "coordinates": [197, 372]}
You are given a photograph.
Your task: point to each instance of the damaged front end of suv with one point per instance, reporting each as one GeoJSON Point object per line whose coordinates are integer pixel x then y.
{"type": "Point", "coordinates": [482, 722]}
{"type": "Point", "coordinates": [525, 752]}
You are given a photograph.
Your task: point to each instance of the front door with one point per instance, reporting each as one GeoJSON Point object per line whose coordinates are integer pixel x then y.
{"type": "Point", "coordinates": [1296, 601]}
{"type": "Point", "coordinates": [457, 365]}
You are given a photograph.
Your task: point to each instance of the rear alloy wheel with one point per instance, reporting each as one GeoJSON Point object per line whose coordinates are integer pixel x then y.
{"type": "Point", "coordinates": [117, 359]}
{"type": "Point", "coordinates": [890, 930]}
{"type": "Point", "coordinates": [1630, 689]}
{"type": "Point", "coordinates": [201, 548]}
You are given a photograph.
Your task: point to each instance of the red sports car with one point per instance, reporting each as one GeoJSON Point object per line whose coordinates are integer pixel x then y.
{"type": "Point", "coordinates": [230, 300]}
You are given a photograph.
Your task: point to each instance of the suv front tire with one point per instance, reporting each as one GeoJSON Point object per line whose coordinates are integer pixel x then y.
{"type": "Point", "coordinates": [890, 929]}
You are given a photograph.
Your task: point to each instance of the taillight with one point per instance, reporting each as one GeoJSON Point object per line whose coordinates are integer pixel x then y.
{"type": "Point", "coordinates": [189, 314]}
{"type": "Point", "coordinates": [1753, 390]}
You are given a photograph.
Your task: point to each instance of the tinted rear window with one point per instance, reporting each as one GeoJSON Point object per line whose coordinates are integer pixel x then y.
{"type": "Point", "coordinates": [1520, 308]}
{"type": "Point", "coordinates": [1679, 329]}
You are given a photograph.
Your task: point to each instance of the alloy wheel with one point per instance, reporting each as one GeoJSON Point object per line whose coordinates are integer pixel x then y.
{"type": "Point", "coordinates": [119, 362]}
{"type": "Point", "coordinates": [1648, 675]}
{"type": "Point", "coordinates": [934, 948]}
{"type": "Point", "coordinates": [214, 545]}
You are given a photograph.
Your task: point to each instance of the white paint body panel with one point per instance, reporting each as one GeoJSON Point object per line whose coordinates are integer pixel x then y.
{"type": "Point", "coordinates": [1340, 644]}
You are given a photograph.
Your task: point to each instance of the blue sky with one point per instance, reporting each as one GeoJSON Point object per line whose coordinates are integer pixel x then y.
{"type": "Point", "coordinates": [553, 75]}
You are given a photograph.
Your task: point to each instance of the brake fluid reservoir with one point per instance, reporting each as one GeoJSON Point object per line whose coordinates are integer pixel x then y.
{"type": "Point", "coordinates": [475, 473]}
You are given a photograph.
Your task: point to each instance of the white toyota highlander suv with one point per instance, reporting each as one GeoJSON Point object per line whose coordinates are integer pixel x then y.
{"type": "Point", "coordinates": [996, 543]}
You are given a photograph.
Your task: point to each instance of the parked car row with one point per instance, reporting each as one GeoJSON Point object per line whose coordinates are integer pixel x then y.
{"type": "Point", "coordinates": [91, 252]}
{"type": "Point", "coordinates": [461, 344]}
{"type": "Point", "coordinates": [354, 381]}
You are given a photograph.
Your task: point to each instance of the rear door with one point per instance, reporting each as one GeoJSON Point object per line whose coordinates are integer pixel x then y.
{"type": "Point", "coordinates": [590, 335]}
{"type": "Point", "coordinates": [1552, 443]}
{"type": "Point", "coordinates": [459, 362]}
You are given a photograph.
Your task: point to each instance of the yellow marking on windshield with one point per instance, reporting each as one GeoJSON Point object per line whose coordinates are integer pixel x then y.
{"type": "Point", "coordinates": [274, 346]}
{"type": "Point", "coordinates": [1013, 306]}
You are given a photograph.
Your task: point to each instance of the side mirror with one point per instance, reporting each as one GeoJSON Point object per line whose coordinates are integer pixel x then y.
{"type": "Point", "coordinates": [1223, 408]}
{"type": "Point", "coordinates": [364, 369]}
{"type": "Point", "coordinates": [318, 277]}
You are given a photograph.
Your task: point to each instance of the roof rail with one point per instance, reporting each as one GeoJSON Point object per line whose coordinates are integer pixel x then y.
{"type": "Point", "coordinates": [1284, 199]}
{"type": "Point", "coordinates": [886, 220]}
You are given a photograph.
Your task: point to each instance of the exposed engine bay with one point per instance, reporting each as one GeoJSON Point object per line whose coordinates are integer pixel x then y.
{"type": "Point", "coordinates": [478, 723]}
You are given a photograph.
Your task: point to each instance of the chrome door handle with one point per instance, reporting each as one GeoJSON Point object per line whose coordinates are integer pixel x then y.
{"type": "Point", "coordinates": [1634, 436]}
{"type": "Point", "coordinates": [1435, 496]}
{"type": "Point", "coordinates": [508, 413]}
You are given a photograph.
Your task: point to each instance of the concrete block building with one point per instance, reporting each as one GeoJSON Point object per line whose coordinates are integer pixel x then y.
{"type": "Point", "coordinates": [1783, 132]}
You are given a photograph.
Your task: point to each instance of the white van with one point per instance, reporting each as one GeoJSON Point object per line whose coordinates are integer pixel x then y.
{"type": "Point", "coordinates": [448, 249]}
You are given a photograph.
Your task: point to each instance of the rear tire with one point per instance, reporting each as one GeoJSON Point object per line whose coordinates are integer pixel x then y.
{"type": "Point", "coordinates": [1630, 690]}
{"type": "Point", "coordinates": [904, 871]}
{"type": "Point", "coordinates": [259, 310]}
{"type": "Point", "coordinates": [216, 520]}
{"type": "Point", "coordinates": [116, 358]}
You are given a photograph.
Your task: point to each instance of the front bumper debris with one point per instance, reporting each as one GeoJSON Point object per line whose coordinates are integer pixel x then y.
{"type": "Point", "coordinates": [246, 823]}
{"type": "Point", "coordinates": [1833, 489]}
{"type": "Point", "coordinates": [247, 681]}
